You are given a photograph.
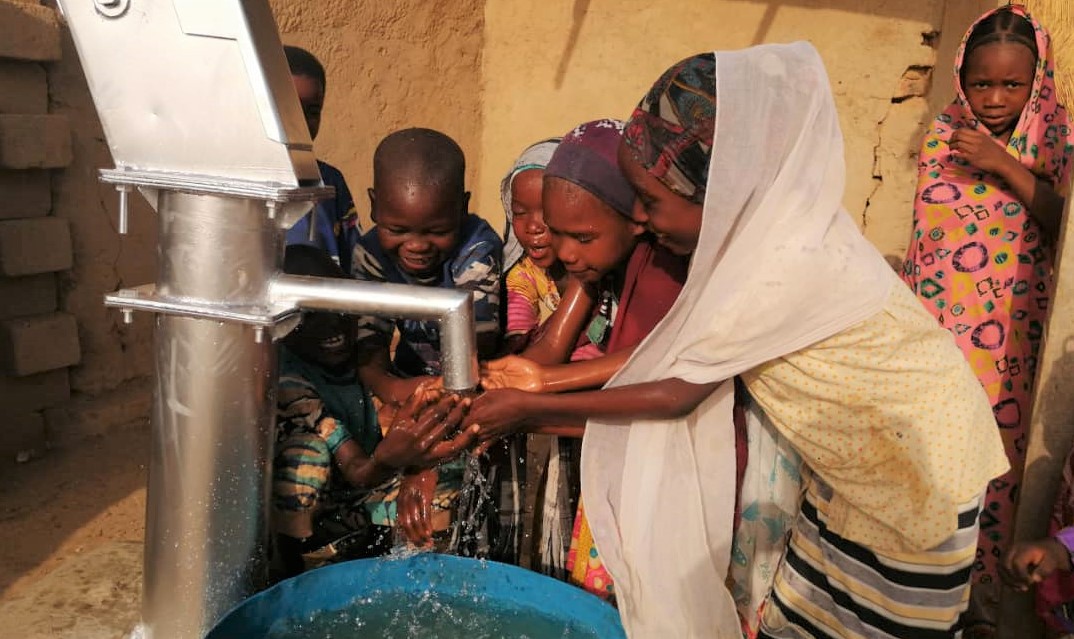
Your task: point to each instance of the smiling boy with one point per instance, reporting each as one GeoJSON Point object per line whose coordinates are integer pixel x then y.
{"type": "Point", "coordinates": [423, 236]}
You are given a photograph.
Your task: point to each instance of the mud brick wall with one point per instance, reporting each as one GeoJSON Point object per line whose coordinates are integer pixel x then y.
{"type": "Point", "coordinates": [38, 342]}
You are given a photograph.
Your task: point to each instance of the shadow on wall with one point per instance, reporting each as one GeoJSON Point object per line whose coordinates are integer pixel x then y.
{"type": "Point", "coordinates": [903, 10]}
{"type": "Point", "coordinates": [578, 13]}
{"type": "Point", "coordinates": [890, 9]}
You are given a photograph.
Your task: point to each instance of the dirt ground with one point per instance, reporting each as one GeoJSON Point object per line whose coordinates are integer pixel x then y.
{"type": "Point", "coordinates": [69, 502]}
{"type": "Point", "coordinates": [71, 525]}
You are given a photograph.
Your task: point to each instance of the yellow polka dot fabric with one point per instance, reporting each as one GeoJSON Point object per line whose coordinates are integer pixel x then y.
{"type": "Point", "coordinates": [890, 415]}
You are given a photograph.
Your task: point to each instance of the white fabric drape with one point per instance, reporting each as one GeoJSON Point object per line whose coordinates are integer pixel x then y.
{"type": "Point", "coordinates": [779, 266]}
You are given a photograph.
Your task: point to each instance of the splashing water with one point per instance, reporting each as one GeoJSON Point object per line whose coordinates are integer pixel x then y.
{"type": "Point", "coordinates": [402, 550]}
{"type": "Point", "coordinates": [428, 616]}
{"type": "Point", "coordinates": [471, 511]}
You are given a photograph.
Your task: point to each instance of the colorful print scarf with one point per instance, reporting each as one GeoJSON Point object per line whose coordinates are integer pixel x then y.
{"type": "Point", "coordinates": [672, 129]}
{"type": "Point", "coordinates": [979, 263]}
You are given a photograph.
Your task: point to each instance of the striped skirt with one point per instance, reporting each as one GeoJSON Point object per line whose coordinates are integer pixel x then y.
{"type": "Point", "coordinates": [828, 586]}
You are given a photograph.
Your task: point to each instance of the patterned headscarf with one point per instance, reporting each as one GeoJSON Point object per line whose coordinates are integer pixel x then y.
{"type": "Point", "coordinates": [672, 129]}
{"type": "Point", "coordinates": [535, 156]}
{"type": "Point", "coordinates": [588, 157]}
{"type": "Point", "coordinates": [1038, 138]}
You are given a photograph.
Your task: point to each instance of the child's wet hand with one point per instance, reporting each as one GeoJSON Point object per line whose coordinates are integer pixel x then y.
{"type": "Point", "coordinates": [402, 391]}
{"type": "Point", "coordinates": [498, 413]}
{"type": "Point", "coordinates": [1028, 563]}
{"type": "Point", "coordinates": [512, 372]}
{"type": "Point", "coordinates": [424, 432]}
{"type": "Point", "coordinates": [414, 507]}
{"type": "Point", "coordinates": [434, 386]}
{"type": "Point", "coordinates": [979, 149]}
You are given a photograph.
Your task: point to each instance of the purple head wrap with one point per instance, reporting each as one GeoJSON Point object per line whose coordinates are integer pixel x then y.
{"type": "Point", "coordinates": [588, 157]}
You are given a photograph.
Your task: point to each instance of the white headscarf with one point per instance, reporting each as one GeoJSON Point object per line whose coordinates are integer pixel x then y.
{"type": "Point", "coordinates": [535, 156]}
{"type": "Point", "coordinates": [779, 266]}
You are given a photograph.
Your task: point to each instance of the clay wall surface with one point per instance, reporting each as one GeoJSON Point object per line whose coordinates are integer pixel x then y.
{"type": "Point", "coordinates": [389, 65]}
{"type": "Point", "coordinates": [548, 66]}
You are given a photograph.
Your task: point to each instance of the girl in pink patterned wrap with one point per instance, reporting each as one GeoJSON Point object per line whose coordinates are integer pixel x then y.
{"type": "Point", "coordinates": [992, 172]}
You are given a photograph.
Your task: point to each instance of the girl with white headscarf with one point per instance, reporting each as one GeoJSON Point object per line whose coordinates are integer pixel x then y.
{"type": "Point", "coordinates": [784, 291]}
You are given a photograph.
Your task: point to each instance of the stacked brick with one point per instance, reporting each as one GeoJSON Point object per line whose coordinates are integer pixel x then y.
{"type": "Point", "coordinates": [37, 342]}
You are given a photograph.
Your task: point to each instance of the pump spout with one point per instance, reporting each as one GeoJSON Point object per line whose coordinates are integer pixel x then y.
{"type": "Point", "coordinates": [453, 308]}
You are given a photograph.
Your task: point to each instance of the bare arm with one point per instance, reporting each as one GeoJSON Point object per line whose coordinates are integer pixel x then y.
{"type": "Point", "coordinates": [359, 469]}
{"type": "Point", "coordinates": [560, 332]}
{"type": "Point", "coordinates": [1045, 205]}
{"type": "Point", "coordinates": [518, 372]}
{"type": "Point", "coordinates": [374, 371]}
{"type": "Point", "coordinates": [572, 432]}
{"type": "Point", "coordinates": [502, 412]}
{"type": "Point", "coordinates": [592, 373]}
{"type": "Point", "coordinates": [417, 438]}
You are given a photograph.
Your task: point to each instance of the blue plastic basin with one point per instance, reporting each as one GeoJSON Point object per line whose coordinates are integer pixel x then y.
{"type": "Point", "coordinates": [424, 595]}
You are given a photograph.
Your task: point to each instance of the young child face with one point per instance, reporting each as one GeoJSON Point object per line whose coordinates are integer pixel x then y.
{"type": "Point", "coordinates": [418, 225]}
{"type": "Point", "coordinates": [311, 97]}
{"type": "Point", "coordinates": [527, 218]}
{"type": "Point", "coordinates": [323, 339]}
{"type": "Point", "coordinates": [590, 237]}
{"type": "Point", "coordinates": [674, 220]}
{"type": "Point", "coordinates": [997, 81]}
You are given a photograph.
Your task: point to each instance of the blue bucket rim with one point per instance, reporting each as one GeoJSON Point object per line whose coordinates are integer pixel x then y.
{"type": "Point", "coordinates": [339, 586]}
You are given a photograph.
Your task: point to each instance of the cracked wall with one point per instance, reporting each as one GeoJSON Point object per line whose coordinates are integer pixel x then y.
{"type": "Point", "coordinates": [551, 65]}
{"type": "Point", "coordinates": [884, 206]}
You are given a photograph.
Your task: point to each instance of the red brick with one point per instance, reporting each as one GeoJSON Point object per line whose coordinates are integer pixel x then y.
{"type": "Point", "coordinates": [23, 433]}
{"type": "Point", "coordinates": [39, 245]}
{"type": "Point", "coordinates": [38, 343]}
{"type": "Point", "coordinates": [34, 392]}
{"type": "Point", "coordinates": [28, 32]}
{"type": "Point", "coordinates": [23, 88]}
{"type": "Point", "coordinates": [25, 193]}
{"type": "Point", "coordinates": [34, 141]}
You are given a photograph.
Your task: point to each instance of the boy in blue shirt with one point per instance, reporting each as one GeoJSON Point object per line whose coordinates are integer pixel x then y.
{"type": "Point", "coordinates": [337, 227]}
{"type": "Point", "coordinates": [423, 236]}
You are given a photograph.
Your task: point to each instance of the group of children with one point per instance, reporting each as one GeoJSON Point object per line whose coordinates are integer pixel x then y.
{"type": "Point", "coordinates": [778, 437]}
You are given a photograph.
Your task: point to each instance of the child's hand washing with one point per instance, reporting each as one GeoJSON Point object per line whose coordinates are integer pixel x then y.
{"type": "Point", "coordinates": [420, 430]}
{"type": "Point", "coordinates": [497, 413]}
{"type": "Point", "coordinates": [414, 507]}
{"type": "Point", "coordinates": [512, 372]}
